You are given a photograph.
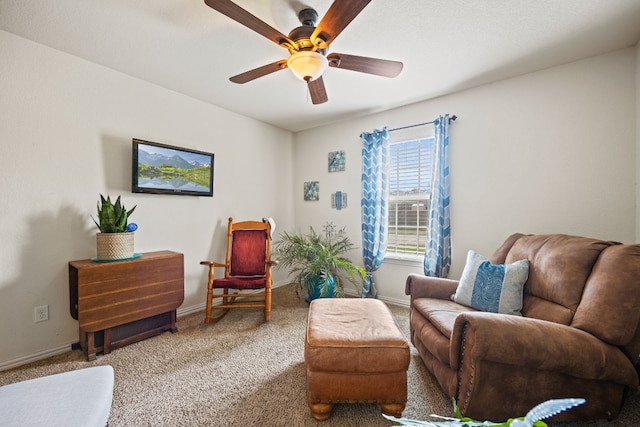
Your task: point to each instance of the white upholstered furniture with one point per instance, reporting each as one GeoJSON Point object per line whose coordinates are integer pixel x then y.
{"type": "Point", "coordinates": [75, 398]}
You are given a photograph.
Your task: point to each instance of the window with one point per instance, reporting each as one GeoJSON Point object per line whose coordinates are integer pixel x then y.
{"type": "Point", "coordinates": [410, 167]}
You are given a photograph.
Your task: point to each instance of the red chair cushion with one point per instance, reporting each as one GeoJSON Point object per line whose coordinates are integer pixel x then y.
{"type": "Point", "coordinates": [240, 282]}
{"type": "Point", "coordinates": [248, 253]}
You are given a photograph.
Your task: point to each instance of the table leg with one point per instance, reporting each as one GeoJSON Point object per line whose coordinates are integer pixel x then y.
{"type": "Point", "coordinates": [91, 346]}
{"type": "Point", "coordinates": [106, 345]}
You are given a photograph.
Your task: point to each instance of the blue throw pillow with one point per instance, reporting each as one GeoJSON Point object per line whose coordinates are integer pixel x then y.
{"type": "Point", "coordinates": [492, 287]}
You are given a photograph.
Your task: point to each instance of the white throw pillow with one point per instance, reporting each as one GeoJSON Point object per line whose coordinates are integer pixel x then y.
{"type": "Point", "coordinates": [490, 287]}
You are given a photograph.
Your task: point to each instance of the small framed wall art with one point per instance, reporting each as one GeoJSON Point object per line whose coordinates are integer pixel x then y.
{"type": "Point", "coordinates": [339, 200]}
{"type": "Point", "coordinates": [337, 160]}
{"type": "Point", "coordinates": [312, 190]}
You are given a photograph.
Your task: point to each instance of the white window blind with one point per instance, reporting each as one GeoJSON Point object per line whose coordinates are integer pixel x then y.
{"type": "Point", "coordinates": [410, 168]}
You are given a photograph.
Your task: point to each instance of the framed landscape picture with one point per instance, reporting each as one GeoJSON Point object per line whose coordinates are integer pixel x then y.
{"type": "Point", "coordinates": [165, 169]}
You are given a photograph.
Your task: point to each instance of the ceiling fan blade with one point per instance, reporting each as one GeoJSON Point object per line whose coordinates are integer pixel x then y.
{"type": "Point", "coordinates": [363, 64]}
{"type": "Point", "coordinates": [238, 14]}
{"type": "Point", "coordinates": [259, 72]}
{"type": "Point", "coordinates": [339, 15]}
{"type": "Point", "coordinates": [317, 91]}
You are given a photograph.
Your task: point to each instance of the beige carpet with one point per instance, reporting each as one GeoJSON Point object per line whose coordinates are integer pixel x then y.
{"type": "Point", "coordinates": [243, 372]}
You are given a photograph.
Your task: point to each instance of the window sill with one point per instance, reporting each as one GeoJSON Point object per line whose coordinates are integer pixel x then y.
{"type": "Point", "coordinates": [404, 260]}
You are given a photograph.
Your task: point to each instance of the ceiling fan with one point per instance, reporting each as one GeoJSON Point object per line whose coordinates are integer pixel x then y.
{"type": "Point", "coordinates": [308, 44]}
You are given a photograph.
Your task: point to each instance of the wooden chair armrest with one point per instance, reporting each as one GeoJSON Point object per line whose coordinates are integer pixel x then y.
{"type": "Point", "coordinates": [212, 264]}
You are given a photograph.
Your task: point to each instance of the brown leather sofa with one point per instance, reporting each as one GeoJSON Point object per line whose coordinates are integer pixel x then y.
{"type": "Point", "coordinates": [578, 335]}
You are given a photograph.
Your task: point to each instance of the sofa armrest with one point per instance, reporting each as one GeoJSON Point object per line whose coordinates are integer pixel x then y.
{"type": "Point", "coordinates": [419, 286]}
{"type": "Point", "coordinates": [537, 344]}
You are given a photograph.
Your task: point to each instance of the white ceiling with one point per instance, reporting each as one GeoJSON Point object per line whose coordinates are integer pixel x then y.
{"type": "Point", "coordinates": [445, 45]}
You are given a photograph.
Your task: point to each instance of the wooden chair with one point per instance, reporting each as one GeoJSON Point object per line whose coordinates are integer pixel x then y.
{"type": "Point", "coordinates": [247, 269]}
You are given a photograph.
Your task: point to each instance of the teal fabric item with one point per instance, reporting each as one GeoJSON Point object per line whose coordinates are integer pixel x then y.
{"type": "Point", "coordinates": [495, 288]}
{"type": "Point", "coordinates": [374, 204]}
{"type": "Point", "coordinates": [437, 257]}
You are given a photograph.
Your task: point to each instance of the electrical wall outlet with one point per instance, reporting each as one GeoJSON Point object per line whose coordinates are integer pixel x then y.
{"type": "Point", "coordinates": [41, 313]}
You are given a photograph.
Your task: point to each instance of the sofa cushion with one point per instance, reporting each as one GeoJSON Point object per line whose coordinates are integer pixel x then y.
{"type": "Point", "coordinates": [610, 305]}
{"type": "Point", "coordinates": [500, 255]}
{"type": "Point", "coordinates": [432, 320]}
{"type": "Point", "coordinates": [559, 267]}
{"type": "Point", "coordinates": [490, 287]}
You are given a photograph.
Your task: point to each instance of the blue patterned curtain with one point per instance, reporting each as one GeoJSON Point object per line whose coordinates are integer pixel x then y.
{"type": "Point", "coordinates": [375, 213]}
{"type": "Point", "coordinates": [437, 257]}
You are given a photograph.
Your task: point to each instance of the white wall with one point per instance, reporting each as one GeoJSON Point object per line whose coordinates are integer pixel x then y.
{"type": "Point", "coordinates": [66, 128]}
{"type": "Point", "coordinates": [548, 152]}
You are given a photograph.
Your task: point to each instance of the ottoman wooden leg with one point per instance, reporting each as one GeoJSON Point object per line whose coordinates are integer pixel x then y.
{"type": "Point", "coordinates": [392, 409]}
{"type": "Point", "coordinates": [320, 411]}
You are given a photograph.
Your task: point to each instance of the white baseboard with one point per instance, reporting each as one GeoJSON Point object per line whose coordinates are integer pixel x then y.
{"type": "Point", "coordinates": [394, 301]}
{"type": "Point", "coordinates": [10, 364]}
{"type": "Point", "coordinates": [183, 311]}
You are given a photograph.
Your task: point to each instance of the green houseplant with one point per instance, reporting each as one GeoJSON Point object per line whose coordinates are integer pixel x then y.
{"type": "Point", "coordinates": [115, 239]}
{"type": "Point", "coordinates": [318, 262]}
{"type": "Point", "coordinates": [112, 217]}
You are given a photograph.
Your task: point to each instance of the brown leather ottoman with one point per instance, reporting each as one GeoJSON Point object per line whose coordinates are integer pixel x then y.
{"type": "Point", "coordinates": [354, 353]}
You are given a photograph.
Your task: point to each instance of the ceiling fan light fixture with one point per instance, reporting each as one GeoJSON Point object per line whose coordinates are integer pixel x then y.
{"type": "Point", "coordinates": [307, 64]}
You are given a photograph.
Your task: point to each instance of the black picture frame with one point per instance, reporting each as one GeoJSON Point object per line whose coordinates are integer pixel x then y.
{"type": "Point", "coordinates": [159, 168]}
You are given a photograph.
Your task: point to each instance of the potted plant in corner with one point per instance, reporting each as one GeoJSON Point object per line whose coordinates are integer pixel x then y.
{"type": "Point", "coordinates": [318, 262]}
{"type": "Point", "coordinates": [115, 239]}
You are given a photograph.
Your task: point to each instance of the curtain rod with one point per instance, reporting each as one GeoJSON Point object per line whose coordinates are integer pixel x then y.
{"type": "Point", "coordinates": [451, 119]}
